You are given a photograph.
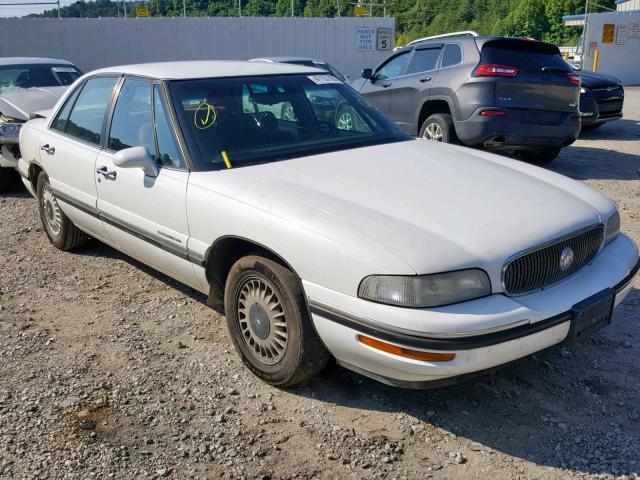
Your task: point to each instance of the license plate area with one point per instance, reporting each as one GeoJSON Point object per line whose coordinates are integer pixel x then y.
{"type": "Point", "coordinates": [591, 315]}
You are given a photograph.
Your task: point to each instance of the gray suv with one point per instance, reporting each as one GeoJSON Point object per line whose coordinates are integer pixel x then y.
{"type": "Point", "coordinates": [496, 92]}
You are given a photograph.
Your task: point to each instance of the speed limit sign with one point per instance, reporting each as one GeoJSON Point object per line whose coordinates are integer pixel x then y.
{"type": "Point", "coordinates": [384, 38]}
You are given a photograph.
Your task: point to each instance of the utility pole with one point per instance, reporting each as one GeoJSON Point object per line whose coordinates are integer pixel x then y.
{"type": "Point", "coordinates": [292, 14]}
{"type": "Point", "coordinates": [239, 8]}
{"type": "Point", "coordinates": [585, 32]}
{"type": "Point", "coordinates": [59, 16]}
{"type": "Point", "coordinates": [124, 7]}
{"type": "Point", "coordinates": [184, 8]}
{"type": "Point", "coordinates": [338, 7]}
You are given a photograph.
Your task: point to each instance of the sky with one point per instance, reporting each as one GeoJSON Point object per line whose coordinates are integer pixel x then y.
{"type": "Point", "coordinates": [20, 11]}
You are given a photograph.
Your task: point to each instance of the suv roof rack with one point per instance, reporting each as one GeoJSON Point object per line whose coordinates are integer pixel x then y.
{"type": "Point", "coordinates": [463, 33]}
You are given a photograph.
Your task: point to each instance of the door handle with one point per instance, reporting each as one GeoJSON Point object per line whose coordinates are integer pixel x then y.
{"type": "Point", "coordinates": [386, 84]}
{"type": "Point", "coordinates": [107, 174]}
{"type": "Point", "coordinates": [49, 150]}
{"type": "Point", "coordinates": [425, 79]}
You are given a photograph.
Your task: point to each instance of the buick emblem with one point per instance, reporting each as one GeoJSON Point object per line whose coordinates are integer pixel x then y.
{"type": "Point", "coordinates": [566, 258]}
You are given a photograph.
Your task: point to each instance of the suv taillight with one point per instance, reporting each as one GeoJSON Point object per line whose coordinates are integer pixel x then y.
{"type": "Point", "coordinates": [574, 78]}
{"type": "Point", "coordinates": [495, 71]}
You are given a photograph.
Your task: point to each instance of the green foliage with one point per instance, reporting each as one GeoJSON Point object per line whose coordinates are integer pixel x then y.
{"type": "Point", "coordinates": [540, 19]}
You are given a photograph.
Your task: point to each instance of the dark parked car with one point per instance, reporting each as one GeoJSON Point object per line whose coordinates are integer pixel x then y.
{"type": "Point", "coordinates": [601, 99]}
{"type": "Point", "coordinates": [497, 92]}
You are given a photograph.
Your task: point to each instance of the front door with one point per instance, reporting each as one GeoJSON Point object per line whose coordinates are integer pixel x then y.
{"type": "Point", "coordinates": [378, 89]}
{"type": "Point", "coordinates": [145, 216]}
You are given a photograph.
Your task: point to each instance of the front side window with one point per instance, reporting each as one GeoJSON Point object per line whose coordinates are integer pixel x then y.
{"type": "Point", "coordinates": [60, 123]}
{"type": "Point", "coordinates": [452, 55]}
{"type": "Point", "coordinates": [168, 154]}
{"type": "Point", "coordinates": [132, 121]}
{"type": "Point", "coordinates": [393, 68]}
{"type": "Point", "coordinates": [234, 122]}
{"type": "Point", "coordinates": [423, 60]}
{"type": "Point", "coordinates": [87, 116]}
{"type": "Point", "coordinates": [14, 78]}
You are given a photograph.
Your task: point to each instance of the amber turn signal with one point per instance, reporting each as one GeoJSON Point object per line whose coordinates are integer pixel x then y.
{"type": "Point", "coordinates": [406, 352]}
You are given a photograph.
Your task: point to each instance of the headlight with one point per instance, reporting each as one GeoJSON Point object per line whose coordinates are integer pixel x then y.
{"type": "Point", "coordinates": [612, 228]}
{"type": "Point", "coordinates": [9, 132]}
{"type": "Point", "coordinates": [421, 291]}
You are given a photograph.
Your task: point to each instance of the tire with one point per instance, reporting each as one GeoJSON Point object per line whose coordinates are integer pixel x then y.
{"type": "Point", "coordinates": [62, 233]}
{"type": "Point", "coordinates": [279, 344]}
{"type": "Point", "coordinates": [9, 179]}
{"type": "Point", "coordinates": [439, 128]}
{"type": "Point", "coordinates": [541, 156]}
{"type": "Point", "coordinates": [345, 119]}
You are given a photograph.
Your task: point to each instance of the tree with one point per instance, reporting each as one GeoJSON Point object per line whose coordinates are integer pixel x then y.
{"type": "Point", "coordinates": [527, 19]}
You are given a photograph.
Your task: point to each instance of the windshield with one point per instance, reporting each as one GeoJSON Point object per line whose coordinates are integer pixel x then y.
{"type": "Point", "coordinates": [233, 122]}
{"type": "Point", "coordinates": [14, 78]}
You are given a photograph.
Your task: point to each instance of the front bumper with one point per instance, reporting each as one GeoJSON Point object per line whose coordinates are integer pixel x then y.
{"type": "Point", "coordinates": [483, 333]}
{"type": "Point", "coordinates": [519, 129]}
{"type": "Point", "coordinates": [597, 107]}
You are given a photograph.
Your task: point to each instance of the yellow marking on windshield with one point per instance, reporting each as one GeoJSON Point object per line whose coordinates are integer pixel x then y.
{"type": "Point", "coordinates": [205, 116]}
{"type": "Point", "coordinates": [225, 157]}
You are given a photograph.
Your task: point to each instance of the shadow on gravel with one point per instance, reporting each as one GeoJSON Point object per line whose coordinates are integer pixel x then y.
{"type": "Point", "coordinates": [563, 408]}
{"type": "Point", "coordinates": [623, 129]}
{"type": "Point", "coordinates": [584, 163]}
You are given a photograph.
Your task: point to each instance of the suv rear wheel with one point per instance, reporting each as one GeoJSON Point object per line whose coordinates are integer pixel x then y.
{"type": "Point", "coordinates": [542, 155]}
{"type": "Point", "coordinates": [439, 128]}
{"type": "Point", "coordinates": [270, 324]}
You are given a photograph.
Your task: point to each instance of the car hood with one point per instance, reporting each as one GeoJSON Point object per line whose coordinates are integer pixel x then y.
{"type": "Point", "coordinates": [30, 103]}
{"type": "Point", "coordinates": [436, 206]}
{"type": "Point", "coordinates": [596, 80]}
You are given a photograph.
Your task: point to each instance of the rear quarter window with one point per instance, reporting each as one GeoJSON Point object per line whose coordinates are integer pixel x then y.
{"type": "Point", "coordinates": [524, 55]}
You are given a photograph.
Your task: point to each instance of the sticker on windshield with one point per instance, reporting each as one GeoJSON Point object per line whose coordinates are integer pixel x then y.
{"type": "Point", "coordinates": [64, 69]}
{"type": "Point", "coordinates": [323, 79]}
{"type": "Point", "coordinates": [205, 116]}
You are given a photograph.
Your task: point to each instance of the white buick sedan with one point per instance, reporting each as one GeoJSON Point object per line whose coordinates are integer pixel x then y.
{"type": "Point", "coordinates": [411, 262]}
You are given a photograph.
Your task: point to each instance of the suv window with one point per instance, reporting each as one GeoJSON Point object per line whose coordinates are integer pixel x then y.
{"type": "Point", "coordinates": [394, 67]}
{"type": "Point", "coordinates": [525, 55]}
{"type": "Point", "coordinates": [423, 60]}
{"type": "Point", "coordinates": [131, 125]}
{"type": "Point", "coordinates": [168, 152]}
{"type": "Point", "coordinates": [452, 55]}
{"type": "Point", "coordinates": [87, 115]}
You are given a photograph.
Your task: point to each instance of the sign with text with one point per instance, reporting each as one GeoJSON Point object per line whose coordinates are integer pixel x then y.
{"type": "Point", "coordinates": [142, 11]}
{"type": "Point", "coordinates": [384, 38]}
{"type": "Point", "coordinates": [608, 31]}
{"type": "Point", "coordinates": [359, 10]}
{"type": "Point", "coordinates": [365, 39]}
{"type": "Point", "coordinates": [622, 32]}
{"type": "Point", "coordinates": [634, 30]}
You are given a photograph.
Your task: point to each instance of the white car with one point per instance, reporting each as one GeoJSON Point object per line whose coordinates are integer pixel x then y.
{"type": "Point", "coordinates": [412, 262]}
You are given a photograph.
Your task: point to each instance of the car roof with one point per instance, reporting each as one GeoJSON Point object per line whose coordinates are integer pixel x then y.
{"type": "Point", "coordinates": [6, 61]}
{"type": "Point", "coordinates": [287, 59]}
{"type": "Point", "coordinates": [479, 41]}
{"type": "Point", "coordinates": [205, 69]}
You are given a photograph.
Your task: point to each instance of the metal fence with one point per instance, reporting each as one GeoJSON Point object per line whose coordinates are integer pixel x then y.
{"type": "Point", "coordinates": [350, 44]}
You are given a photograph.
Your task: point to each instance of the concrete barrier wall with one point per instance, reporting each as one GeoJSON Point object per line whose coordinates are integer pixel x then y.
{"type": "Point", "coordinates": [94, 43]}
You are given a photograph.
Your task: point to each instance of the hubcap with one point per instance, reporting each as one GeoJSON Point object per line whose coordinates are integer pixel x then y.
{"type": "Point", "coordinates": [262, 322]}
{"type": "Point", "coordinates": [52, 212]}
{"type": "Point", "coordinates": [345, 121]}
{"type": "Point", "coordinates": [287, 113]}
{"type": "Point", "coordinates": [433, 132]}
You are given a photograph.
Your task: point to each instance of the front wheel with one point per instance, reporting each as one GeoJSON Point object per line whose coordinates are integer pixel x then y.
{"type": "Point", "coordinates": [541, 156]}
{"type": "Point", "coordinates": [62, 233]}
{"type": "Point", "coordinates": [345, 119]}
{"type": "Point", "coordinates": [269, 323]}
{"type": "Point", "coordinates": [439, 128]}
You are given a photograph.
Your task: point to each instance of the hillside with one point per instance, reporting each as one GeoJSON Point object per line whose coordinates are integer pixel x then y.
{"type": "Point", "coordinates": [539, 19]}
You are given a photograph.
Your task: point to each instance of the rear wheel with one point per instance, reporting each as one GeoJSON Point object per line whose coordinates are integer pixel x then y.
{"type": "Point", "coordinates": [541, 156]}
{"type": "Point", "coordinates": [61, 231]}
{"type": "Point", "coordinates": [439, 128]}
{"type": "Point", "coordinates": [8, 179]}
{"type": "Point", "coordinates": [269, 322]}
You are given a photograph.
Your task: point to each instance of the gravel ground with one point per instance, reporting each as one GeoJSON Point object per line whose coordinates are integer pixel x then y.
{"type": "Point", "coordinates": [110, 370]}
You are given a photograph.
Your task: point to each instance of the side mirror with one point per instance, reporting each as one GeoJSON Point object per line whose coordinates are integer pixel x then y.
{"type": "Point", "coordinates": [367, 73]}
{"type": "Point", "coordinates": [136, 157]}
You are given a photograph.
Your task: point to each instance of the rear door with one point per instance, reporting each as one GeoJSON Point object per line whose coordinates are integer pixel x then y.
{"type": "Point", "coordinates": [409, 91]}
{"type": "Point", "coordinates": [529, 75]}
{"type": "Point", "coordinates": [378, 89]}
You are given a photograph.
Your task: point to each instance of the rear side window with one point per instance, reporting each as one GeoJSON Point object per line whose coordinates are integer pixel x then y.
{"type": "Point", "coordinates": [87, 115]}
{"type": "Point", "coordinates": [452, 55]}
{"type": "Point", "coordinates": [423, 61]}
{"type": "Point", "coordinates": [527, 56]}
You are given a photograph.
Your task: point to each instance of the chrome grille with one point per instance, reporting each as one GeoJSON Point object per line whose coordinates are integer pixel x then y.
{"type": "Point", "coordinates": [539, 268]}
